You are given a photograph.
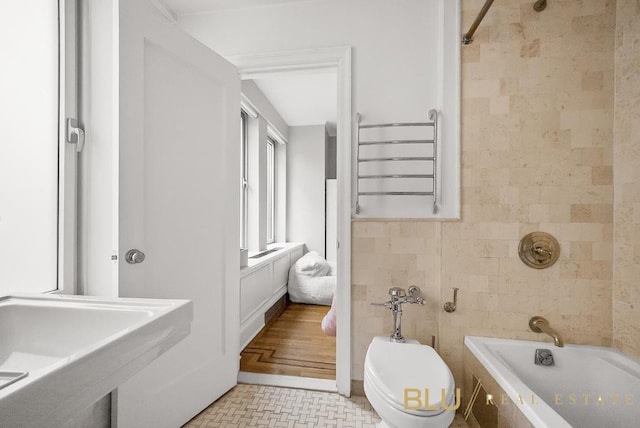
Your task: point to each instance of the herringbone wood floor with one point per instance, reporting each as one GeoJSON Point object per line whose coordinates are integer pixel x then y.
{"type": "Point", "coordinates": [293, 345]}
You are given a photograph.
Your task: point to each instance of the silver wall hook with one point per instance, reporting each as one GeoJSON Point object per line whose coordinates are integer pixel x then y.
{"type": "Point", "coordinates": [451, 306]}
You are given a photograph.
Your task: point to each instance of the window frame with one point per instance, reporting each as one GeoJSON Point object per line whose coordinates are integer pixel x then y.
{"type": "Point", "coordinates": [67, 154]}
{"type": "Point", "coordinates": [244, 182]}
{"type": "Point", "coordinates": [272, 198]}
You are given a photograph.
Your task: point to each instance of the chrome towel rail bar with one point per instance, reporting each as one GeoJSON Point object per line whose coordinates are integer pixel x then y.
{"type": "Point", "coordinates": [433, 117]}
{"type": "Point", "coordinates": [387, 125]}
{"type": "Point", "coordinates": [371, 143]}
{"type": "Point", "coordinates": [398, 158]}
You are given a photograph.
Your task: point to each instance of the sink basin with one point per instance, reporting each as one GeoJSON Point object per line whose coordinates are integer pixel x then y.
{"type": "Point", "coordinates": [60, 354]}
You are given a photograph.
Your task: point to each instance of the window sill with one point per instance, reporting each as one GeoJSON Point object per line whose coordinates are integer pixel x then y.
{"type": "Point", "coordinates": [255, 264]}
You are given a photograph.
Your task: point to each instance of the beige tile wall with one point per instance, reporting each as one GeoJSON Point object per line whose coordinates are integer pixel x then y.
{"type": "Point", "coordinates": [537, 148]}
{"type": "Point", "coordinates": [626, 277]}
{"type": "Point", "coordinates": [390, 254]}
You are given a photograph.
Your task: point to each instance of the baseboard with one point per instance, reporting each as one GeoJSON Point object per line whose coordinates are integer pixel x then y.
{"type": "Point", "coordinates": [357, 388]}
{"type": "Point", "coordinates": [275, 310]}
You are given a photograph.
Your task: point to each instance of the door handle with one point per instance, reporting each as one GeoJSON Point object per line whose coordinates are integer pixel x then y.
{"type": "Point", "coordinates": [134, 256]}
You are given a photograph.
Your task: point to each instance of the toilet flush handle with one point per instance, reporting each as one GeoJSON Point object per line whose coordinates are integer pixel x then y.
{"type": "Point", "coordinates": [387, 305]}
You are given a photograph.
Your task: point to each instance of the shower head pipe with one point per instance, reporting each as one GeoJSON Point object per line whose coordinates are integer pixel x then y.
{"type": "Point", "coordinates": [467, 38]}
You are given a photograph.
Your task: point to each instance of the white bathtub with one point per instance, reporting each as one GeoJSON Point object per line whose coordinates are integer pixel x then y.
{"type": "Point", "coordinates": [588, 387]}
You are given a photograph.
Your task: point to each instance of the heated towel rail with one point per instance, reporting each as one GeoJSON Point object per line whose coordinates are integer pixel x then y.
{"type": "Point", "coordinates": [430, 174]}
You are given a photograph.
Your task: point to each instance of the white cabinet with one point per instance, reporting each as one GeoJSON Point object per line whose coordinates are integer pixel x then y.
{"type": "Point", "coordinates": [262, 283]}
{"type": "Point", "coordinates": [253, 291]}
{"type": "Point", "coordinates": [281, 273]}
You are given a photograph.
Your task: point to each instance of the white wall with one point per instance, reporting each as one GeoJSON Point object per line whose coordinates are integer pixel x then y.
{"type": "Point", "coordinates": [398, 53]}
{"type": "Point", "coordinates": [393, 74]}
{"type": "Point", "coordinates": [306, 186]}
{"type": "Point", "coordinates": [394, 78]}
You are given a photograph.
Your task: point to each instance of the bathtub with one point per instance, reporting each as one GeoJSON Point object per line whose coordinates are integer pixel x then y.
{"type": "Point", "coordinates": [588, 387]}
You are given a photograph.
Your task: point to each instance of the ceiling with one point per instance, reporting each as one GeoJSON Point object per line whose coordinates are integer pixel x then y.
{"type": "Point", "coordinates": [186, 7]}
{"type": "Point", "coordinates": [303, 99]}
{"type": "Point", "coordinates": [310, 98]}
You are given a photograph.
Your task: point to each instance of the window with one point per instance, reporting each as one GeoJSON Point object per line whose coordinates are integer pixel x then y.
{"type": "Point", "coordinates": [271, 190]}
{"type": "Point", "coordinates": [263, 153]}
{"type": "Point", "coordinates": [244, 185]}
{"type": "Point", "coordinates": [35, 162]}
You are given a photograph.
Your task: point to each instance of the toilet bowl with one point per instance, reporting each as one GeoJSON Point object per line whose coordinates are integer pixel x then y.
{"type": "Point", "coordinates": [408, 385]}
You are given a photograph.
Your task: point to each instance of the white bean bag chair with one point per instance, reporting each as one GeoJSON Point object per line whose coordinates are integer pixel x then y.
{"type": "Point", "coordinates": [312, 280]}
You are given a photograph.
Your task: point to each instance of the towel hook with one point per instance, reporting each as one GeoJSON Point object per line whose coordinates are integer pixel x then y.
{"type": "Point", "coordinates": [451, 306]}
{"type": "Point", "coordinates": [540, 5]}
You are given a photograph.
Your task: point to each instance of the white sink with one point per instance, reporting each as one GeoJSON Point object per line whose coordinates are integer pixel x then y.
{"type": "Point", "coordinates": [60, 354]}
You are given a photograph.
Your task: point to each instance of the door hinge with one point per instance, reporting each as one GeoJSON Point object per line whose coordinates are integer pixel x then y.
{"type": "Point", "coordinates": [75, 134]}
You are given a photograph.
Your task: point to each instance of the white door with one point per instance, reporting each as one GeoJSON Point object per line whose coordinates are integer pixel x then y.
{"type": "Point", "coordinates": [179, 112]}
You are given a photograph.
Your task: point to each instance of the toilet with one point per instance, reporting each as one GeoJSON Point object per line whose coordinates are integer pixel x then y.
{"type": "Point", "coordinates": [391, 367]}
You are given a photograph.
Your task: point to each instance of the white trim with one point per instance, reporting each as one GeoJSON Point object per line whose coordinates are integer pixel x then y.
{"type": "Point", "coordinates": [266, 64]}
{"type": "Point", "coordinates": [67, 155]}
{"type": "Point", "coordinates": [275, 135]}
{"type": "Point", "coordinates": [165, 10]}
{"type": "Point", "coordinates": [248, 107]}
{"type": "Point", "coordinates": [449, 101]}
{"type": "Point", "coordinates": [263, 108]}
{"type": "Point", "coordinates": [288, 381]}
{"type": "Point", "coordinates": [338, 58]}
{"type": "Point", "coordinates": [250, 327]}
{"type": "Point", "coordinates": [343, 150]}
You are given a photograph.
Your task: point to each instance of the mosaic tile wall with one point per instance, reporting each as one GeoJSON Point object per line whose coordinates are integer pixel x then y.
{"type": "Point", "coordinates": [537, 154]}
{"type": "Point", "coordinates": [626, 286]}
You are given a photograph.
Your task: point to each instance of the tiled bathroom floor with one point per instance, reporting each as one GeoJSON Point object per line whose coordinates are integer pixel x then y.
{"type": "Point", "coordinates": [268, 406]}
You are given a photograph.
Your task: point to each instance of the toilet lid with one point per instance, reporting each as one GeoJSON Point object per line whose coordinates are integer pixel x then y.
{"type": "Point", "coordinates": [392, 367]}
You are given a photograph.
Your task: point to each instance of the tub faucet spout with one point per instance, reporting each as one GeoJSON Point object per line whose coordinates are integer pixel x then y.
{"type": "Point", "coordinates": [541, 325]}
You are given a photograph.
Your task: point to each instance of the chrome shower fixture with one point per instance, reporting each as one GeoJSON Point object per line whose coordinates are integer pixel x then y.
{"type": "Point", "coordinates": [398, 297]}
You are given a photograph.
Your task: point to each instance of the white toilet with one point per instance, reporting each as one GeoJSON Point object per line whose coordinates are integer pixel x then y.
{"type": "Point", "coordinates": [390, 368]}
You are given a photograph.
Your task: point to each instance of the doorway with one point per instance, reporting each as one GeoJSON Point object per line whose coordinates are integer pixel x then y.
{"type": "Point", "coordinates": [338, 59]}
{"type": "Point", "coordinates": [293, 345]}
